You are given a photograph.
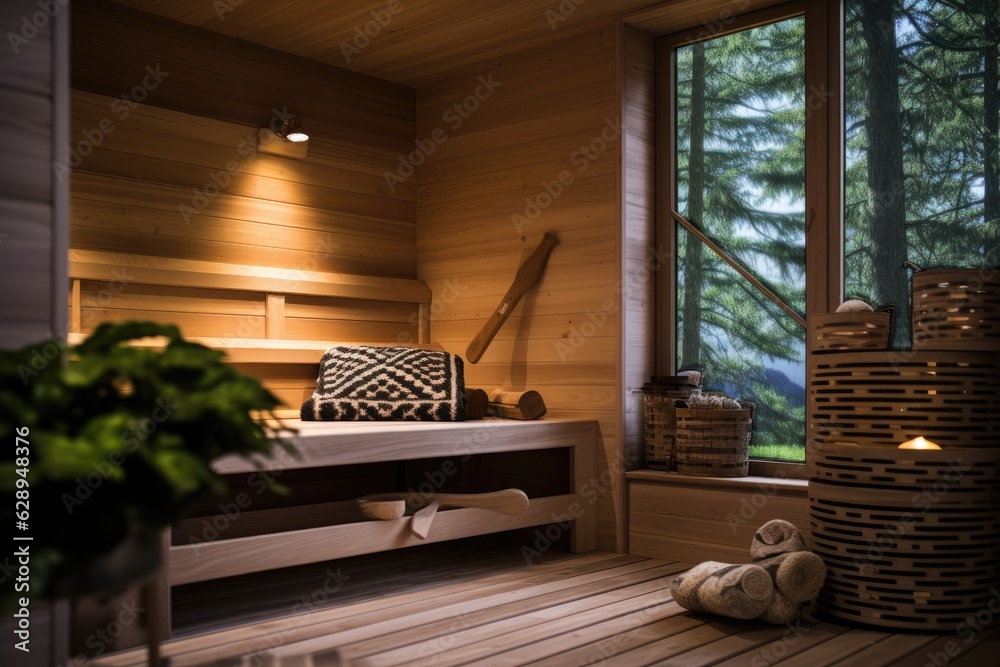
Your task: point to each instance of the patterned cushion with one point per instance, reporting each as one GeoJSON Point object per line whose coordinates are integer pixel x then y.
{"type": "Point", "coordinates": [367, 383]}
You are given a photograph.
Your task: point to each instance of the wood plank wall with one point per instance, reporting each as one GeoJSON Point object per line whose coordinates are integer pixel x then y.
{"type": "Point", "coordinates": [642, 257]}
{"type": "Point", "coordinates": [33, 74]}
{"type": "Point", "coordinates": [502, 153]}
{"type": "Point", "coordinates": [149, 184]}
{"type": "Point", "coordinates": [559, 110]}
{"type": "Point", "coordinates": [694, 519]}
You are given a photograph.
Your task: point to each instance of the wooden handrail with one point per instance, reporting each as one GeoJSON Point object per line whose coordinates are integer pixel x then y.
{"type": "Point", "coordinates": [688, 225]}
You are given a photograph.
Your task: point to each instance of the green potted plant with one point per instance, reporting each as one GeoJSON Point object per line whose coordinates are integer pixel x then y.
{"type": "Point", "coordinates": [107, 442]}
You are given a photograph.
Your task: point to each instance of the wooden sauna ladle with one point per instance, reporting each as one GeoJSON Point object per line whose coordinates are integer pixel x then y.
{"type": "Point", "coordinates": [389, 506]}
{"type": "Point", "coordinates": [527, 275]}
{"type": "Point", "coordinates": [511, 502]}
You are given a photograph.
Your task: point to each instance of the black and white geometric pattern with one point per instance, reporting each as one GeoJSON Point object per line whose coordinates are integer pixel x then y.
{"type": "Point", "coordinates": [368, 383]}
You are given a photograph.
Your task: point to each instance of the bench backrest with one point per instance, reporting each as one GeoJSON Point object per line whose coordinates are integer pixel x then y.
{"type": "Point", "coordinates": [273, 323]}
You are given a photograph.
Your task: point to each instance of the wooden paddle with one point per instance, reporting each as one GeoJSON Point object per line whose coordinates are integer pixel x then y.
{"type": "Point", "coordinates": [527, 275]}
{"type": "Point", "coordinates": [511, 502]}
{"type": "Point", "coordinates": [390, 506]}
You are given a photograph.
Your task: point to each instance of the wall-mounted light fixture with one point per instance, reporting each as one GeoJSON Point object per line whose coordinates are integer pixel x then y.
{"type": "Point", "coordinates": [291, 129]}
{"type": "Point", "coordinates": [285, 137]}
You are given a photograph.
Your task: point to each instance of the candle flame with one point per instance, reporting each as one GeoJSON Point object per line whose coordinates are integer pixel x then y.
{"type": "Point", "coordinates": [920, 442]}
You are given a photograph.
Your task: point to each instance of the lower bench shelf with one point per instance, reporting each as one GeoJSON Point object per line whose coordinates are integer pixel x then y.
{"type": "Point", "coordinates": [325, 444]}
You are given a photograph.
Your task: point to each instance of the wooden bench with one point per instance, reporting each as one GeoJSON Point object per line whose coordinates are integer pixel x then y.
{"type": "Point", "coordinates": [268, 538]}
{"type": "Point", "coordinates": [344, 533]}
{"type": "Point", "coordinates": [324, 444]}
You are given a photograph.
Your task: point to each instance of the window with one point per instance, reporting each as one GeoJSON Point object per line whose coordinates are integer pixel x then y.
{"type": "Point", "coordinates": [738, 149]}
{"type": "Point", "coordinates": [820, 174]}
{"type": "Point", "coordinates": [922, 177]}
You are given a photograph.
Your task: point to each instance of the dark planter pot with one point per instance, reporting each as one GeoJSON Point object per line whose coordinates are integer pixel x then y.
{"type": "Point", "coordinates": [137, 558]}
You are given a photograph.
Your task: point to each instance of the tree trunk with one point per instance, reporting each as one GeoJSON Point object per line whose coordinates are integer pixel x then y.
{"type": "Point", "coordinates": [885, 165]}
{"type": "Point", "coordinates": [991, 120]}
{"type": "Point", "coordinates": [693, 250]}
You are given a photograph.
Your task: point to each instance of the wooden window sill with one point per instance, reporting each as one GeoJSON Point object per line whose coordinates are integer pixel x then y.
{"type": "Point", "coordinates": [787, 485]}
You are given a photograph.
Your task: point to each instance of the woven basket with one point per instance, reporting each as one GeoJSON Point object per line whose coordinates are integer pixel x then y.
{"type": "Point", "coordinates": [713, 443]}
{"type": "Point", "coordinates": [956, 309]}
{"type": "Point", "coordinates": [849, 331]}
{"type": "Point", "coordinates": [659, 405]}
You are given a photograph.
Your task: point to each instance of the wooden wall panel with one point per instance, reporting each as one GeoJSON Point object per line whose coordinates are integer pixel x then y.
{"type": "Point", "coordinates": [708, 16]}
{"type": "Point", "coordinates": [563, 338]}
{"type": "Point", "coordinates": [178, 176]}
{"type": "Point", "coordinates": [34, 74]}
{"type": "Point", "coordinates": [693, 520]}
{"type": "Point", "coordinates": [237, 77]}
{"type": "Point", "coordinates": [34, 68]}
{"type": "Point", "coordinates": [640, 256]}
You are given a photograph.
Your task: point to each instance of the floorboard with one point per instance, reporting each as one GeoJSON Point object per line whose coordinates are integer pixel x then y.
{"type": "Point", "coordinates": [479, 602]}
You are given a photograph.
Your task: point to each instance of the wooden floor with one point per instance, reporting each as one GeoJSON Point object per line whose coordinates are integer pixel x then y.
{"type": "Point", "coordinates": [476, 603]}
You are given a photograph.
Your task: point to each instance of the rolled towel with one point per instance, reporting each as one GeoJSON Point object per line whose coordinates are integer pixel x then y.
{"type": "Point", "coordinates": [781, 611]}
{"type": "Point", "coordinates": [736, 591]}
{"type": "Point", "coordinates": [798, 576]}
{"type": "Point", "coordinates": [776, 537]}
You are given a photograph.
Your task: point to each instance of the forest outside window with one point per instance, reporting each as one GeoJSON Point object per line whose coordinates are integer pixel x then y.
{"type": "Point", "coordinates": [917, 115]}
{"type": "Point", "coordinates": [922, 178]}
{"type": "Point", "coordinates": [739, 174]}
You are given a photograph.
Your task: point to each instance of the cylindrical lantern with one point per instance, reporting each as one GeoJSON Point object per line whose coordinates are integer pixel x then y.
{"type": "Point", "coordinates": [957, 309]}
{"type": "Point", "coordinates": [910, 537]}
{"type": "Point", "coordinates": [884, 398]}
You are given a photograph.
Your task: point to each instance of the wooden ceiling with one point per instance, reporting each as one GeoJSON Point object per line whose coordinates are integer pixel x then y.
{"type": "Point", "coordinates": [415, 42]}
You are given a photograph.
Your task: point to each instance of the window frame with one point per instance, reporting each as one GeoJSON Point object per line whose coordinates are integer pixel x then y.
{"type": "Point", "coordinates": [824, 165]}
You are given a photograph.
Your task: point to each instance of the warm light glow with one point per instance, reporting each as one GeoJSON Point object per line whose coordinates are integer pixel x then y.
{"type": "Point", "coordinates": [920, 442]}
{"type": "Point", "coordinates": [297, 136]}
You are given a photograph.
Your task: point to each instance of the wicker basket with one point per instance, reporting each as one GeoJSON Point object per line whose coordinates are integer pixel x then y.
{"type": "Point", "coordinates": [659, 404]}
{"type": "Point", "coordinates": [956, 309]}
{"type": "Point", "coordinates": [713, 443]}
{"type": "Point", "coordinates": [849, 331]}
